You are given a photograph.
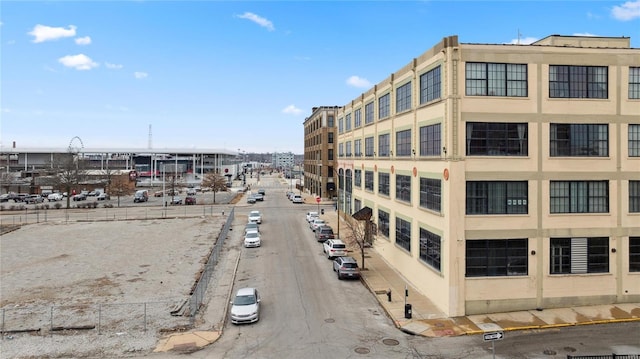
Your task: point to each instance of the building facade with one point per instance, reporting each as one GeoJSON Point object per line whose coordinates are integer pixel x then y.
{"type": "Point", "coordinates": [283, 160]}
{"type": "Point", "coordinates": [319, 151]}
{"type": "Point", "coordinates": [503, 177]}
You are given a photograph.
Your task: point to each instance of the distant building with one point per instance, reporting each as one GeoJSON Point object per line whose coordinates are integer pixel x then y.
{"type": "Point", "coordinates": [502, 177]}
{"type": "Point", "coordinates": [319, 151]}
{"type": "Point", "coordinates": [282, 160]}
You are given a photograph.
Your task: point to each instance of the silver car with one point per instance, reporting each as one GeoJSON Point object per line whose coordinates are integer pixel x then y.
{"type": "Point", "coordinates": [245, 307]}
{"type": "Point", "coordinates": [346, 267]}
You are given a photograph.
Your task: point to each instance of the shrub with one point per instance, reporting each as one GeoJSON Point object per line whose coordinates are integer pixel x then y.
{"type": "Point", "coordinates": [58, 205]}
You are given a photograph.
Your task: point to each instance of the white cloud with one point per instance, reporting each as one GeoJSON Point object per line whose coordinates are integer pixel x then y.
{"type": "Point", "coordinates": [6, 110]}
{"type": "Point", "coordinates": [583, 34]}
{"type": "Point", "coordinates": [140, 75]}
{"type": "Point", "coordinates": [42, 33]}
{"type": "Point", "coordinates": [523, 41]}
{"type": "Point", "coordinates": [113, 66]}
{"type": "Point", "coordinates": [357, 81]}
{"type": "Point", "coordinates": [292, 110]}
{"type": "Point", "coordinates": [78, 62]}
{"type": "Point", "coordinates": [83, 40]}
{"type": "Point", "coordinates": [258, 20]}
{"type": "Point", "coordinates": [627, 11]}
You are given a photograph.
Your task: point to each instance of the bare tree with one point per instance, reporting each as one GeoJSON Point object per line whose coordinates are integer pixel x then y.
{"type": "Point", "coordinates": [70, 171]}
{"type": "Point", "coordinates": [119, 187]}
{"type": "Point", "coordinates": [215, 182]}
{"type": "Point", "coordinates": [175, 184]}
{"type": "Point", "coordinates": [359, 232]}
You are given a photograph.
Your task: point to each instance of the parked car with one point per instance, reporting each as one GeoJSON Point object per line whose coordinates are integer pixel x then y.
{"type": "Point", "coordinates": [311, 216]}
{"type": "Point", "coordinates": [251, 226]}
{"type": "Point", "coordinates": [5, 197]}
{"type": "Point", "coordinates": [34, 198]}
{"type": "Point", "coordinates": [346, 267]}
{"type": "Point", "coordinates": [317, 222]}
{"type": "Point", "coordinates": [297, 199]}
{"type": "Point", "coordinates": [102, 197]}
{"type": "Point", "coordinates": [252, 239]}
{"type": "Point", "coordinates": [190, 200]}
{"type": "Point", "coordinates": [324, 233]}
{"type": "Point", "coordinates": [251, 199]}
{"type": "Point", "coordinates": [79, 197]}
{"type": "Point", "coordinates": [255, 216]}
{"type": "Point", "coordinates": [258, 197]}
{"type": "Point", "coordinates": [93, 193]}
{"type": "Point", "coordinates": [262, 192]}
{"type": "Point", "coordinates": [245, 306]}
{"type": "Point", "coordinates": [141, 196]}
{"type": "Point", "coordinates": [158, 193]}
{"type": "Point", "coordinates": [176, 200]}
{"type": "Point", "coordinates": [334, 248]}
{"type": "Point", "coordinates": [56, 196]}
{"type": "Point", "coordinates": [191, 192]}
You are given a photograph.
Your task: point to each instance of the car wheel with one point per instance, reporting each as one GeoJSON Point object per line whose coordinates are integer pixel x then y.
{"type": "Point", "coordinates": [339, 276]}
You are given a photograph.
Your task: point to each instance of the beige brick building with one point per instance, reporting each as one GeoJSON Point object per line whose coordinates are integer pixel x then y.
{"type": "Point", "coordinates": [319, 151]}
{"type": "Point", "coordinates": [501, 177]}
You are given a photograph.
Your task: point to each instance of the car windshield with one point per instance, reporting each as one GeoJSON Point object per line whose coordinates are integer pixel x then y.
{"type": "Point", "coordinates": [252, 234]}
{"type": "Point", "coordinates": [349, 265]}
{"type": "Point", "coordinates": [338, 246]}
{"type": "Point", "coordinates": [245, 300]}
{"type": "Point", "coordinates": [254, 213]}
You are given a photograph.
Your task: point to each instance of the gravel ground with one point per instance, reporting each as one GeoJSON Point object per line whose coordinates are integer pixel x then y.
{"type": "Point", "coordinates": [117, 267]}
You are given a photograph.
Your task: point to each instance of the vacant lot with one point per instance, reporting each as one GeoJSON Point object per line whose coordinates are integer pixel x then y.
{"type": "Point", "coordinates": [75, 264]}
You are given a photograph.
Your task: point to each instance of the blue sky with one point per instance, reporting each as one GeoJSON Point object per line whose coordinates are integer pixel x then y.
{"type": "Point", "coordinates": [236, 74]}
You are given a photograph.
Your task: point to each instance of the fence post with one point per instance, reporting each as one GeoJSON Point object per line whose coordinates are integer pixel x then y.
{"type": "Point", "coordinates": [51, 321]}
{"type": "Point", "coordinates": [99, 317]}
{"type": "Point", "coordinates": [145, 317]}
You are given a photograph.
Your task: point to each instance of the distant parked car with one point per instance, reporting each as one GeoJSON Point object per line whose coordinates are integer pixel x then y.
{"type": "Point", "coordinates": [102, 197]}
{"type": "Point", "coordinates": [324, 233]}
{"type": "Point", "coordinates": [311, 216]}
{"type": "Point", "coordinates": [34, 198]}
{"type": "Point", "coordinates": [158, 193]}
{"type": "Point", "coordinates": [176, 200]}
{"type": "Point", "coordinates": [79, 197]}
{"type": "Point", "coordinates": [190, 200]}
{"type": "Point", "coordinates": [245, 307]}
{"type": "Point", "coordinates": [141, 196]}
{"type": "Point", "coordinates": [262, 192]}
{"type": "Point", "coordinates": [251, 199]}
{"type": "Point", "coordinates": [251, 226]}
{"type": "Point", "coordinates": [297, 199]}
{"type": "Point", "coordinates": [317, 222]}
{"type": "Point", "coordinates": [56, 196]}
{"type": "Point", "coordinates": [258, 197]}
{"type": "Point", "coordinates": [191, 191]}
{"type": "Point", "coordinates": [346, 267]}
{"type": "Point", "coordinates": [334, 248]}
{"type": "Point", "coordinates": [255, 216]}
{"type": "Point", "coordinates": [252, 239]}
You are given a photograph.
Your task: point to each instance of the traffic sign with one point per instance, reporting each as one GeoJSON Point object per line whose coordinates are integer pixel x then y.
{"type": "Point", "coordinates": [318, 199]}
{"type": "Point", "coordinates": [492, 336]}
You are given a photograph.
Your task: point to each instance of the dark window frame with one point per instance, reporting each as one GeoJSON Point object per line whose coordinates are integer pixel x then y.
{"type": "Point", "coordinates": [566, 81]}
{"type": "Point", "coordinates": [403, 234]}
{"type": "Point", "coordinates": [369, 146]}
{"type": "Point", "coordinates": [496, 79]}
{"type": "Point", "coordinates": [634, 196]}
{"type": "Point", "coordinates": [497, 197]}
{"type": "Point", "coordinates": [383, 222]}
{"type": "Point", "coordinates": [384, 183]}
{"type": "Point", "coordinates": [430, 86]}
{"type": "Point", "coordinates": [634, 83]}
{"type": "Point", "coordinates": [496, 257]}
{"type": "Point", "coordinates": [634, 254]}
{"type": "Point", "coordinates": [568, 255]}
{"type": "Point", "coordinates": [578, 197]}
{"type": "Point", "coordinates": [384, 106]}
{"type": "Point", "coordinates": [431, 194]}
{"type": "Point", "coordinates": [430, 140]}
{"type": "Point", "coordinates": [403, 97]}
{"type": "Point", "coordinates": [357, 178]}
{"type": "Point", "coordinates": [403, 143]}
{"type": "Point", "coordinates": [384, 145]}
{"type": "Point", "coordinates": [633, 139]}
{"type": "Point", "coordinates": [578, 140]}
{"type": "Point", "coordinates": [368, 180]}
{"type": "Point", "coordinates": [368, 113]}
{"type": "Point", "coordinates": [497, 139]}
{"type": "Point", "coordinates": [357, 118]}
{"type": "Point", "coordinates": [430, 249]}
{"type": "Point", "coordinates": [403, 188]}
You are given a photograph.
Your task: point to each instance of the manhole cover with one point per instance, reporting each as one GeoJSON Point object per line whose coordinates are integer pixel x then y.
{"type": "Point", "coordinates": [549, 352]}
{"type": "Point", "coordinates": [390, 342]}
{"type": "Point", "coordinates": [362, 350]}
{"type": "Point", "coordinates": [330, 320]}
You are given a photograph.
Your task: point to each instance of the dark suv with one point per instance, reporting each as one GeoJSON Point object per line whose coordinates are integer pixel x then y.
{"type": "Point", "coordinates": [324, 233]}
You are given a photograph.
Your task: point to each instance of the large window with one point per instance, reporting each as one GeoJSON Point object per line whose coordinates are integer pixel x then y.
{"type": "Point", "coordinates": [634, 140]}
{"type": "Point", "coordinates": [634, 254]}
{"type": "Point", "coordinates": [347, 122]}
{"type": "Point", "coordinates": [383, 183]}
{"type": "Point", "coordinates": [403, 233]}
{"type": "Point", "coordinates": [368, 180]}
{"type": "Point", "coordinates": [497, 197]}
{"type": "Point", "coordinates": [340, 125]}
{"type": "Point", "coordinates": [430, 83]}
{"type": "Point", "coordinates": [496, 257]}
{"type": "Point", "coordinates": [383, 145]}
{"type": "Point", "coordinates": [403, 98]}
{"type": "Point", "coordinates": [368, 113]}
{"type": "Point", "coordinates": [403, 143]}
{"type": "Point", "coordinates": [634, 196]}
{"type": "Point", "coordinates": [357, 178]}
{"type": "Point", "coordinates": [430, 248]}
{"type": "Point", "coordinates": [384, 104]}
{"type": "Point", "coordinates": [430, 194]}
{"type": "Point", "coordinates": [330, 137]}
{"type": "Point", "coordinates": [357, 147]}
{"type": "Point", "coordinates": [403, 188]}
{"type": "Point", "coordinates": [330, 121]}
{"type": "Point", "coordinates": [383, 223]}
{"type": "Point", "coordinates": [579, 196]}
{"type": "Point", "coordinates": [368, 146]}
{"type": "Point", "coordinates": [579, 255]}
{"type": "Point", "coordinates": [330, 154]}
{"type": "Point", "coordinates": [497, 139]}
{"type": "Point", "coordinates": [634, 82]}
{"type": "Point", "coordinates": [488, 79]}
{"type": "Point", "coordinates": [340, 149]}
{"type": "Point", "coordinates": [578, 81]}
{"type": "Point", "coordinates": [348, 147]}
{"type": "Point", "coordinates": [578, 140]}
{"type": "Point", "coordinates": [357, 118]}
{"type": "Point", "coordinates": [430, 142]}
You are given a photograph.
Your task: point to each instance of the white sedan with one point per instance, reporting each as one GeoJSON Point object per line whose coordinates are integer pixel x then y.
{"type": "Point", "coordinates": [317, 223]}
{"type": "Point", "coordinates": [255, 216]}
{"type": "Point", "coordinates": [252, 239]}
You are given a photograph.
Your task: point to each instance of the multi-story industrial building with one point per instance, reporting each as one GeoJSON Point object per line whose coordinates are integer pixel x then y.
{"type": "Point", "coordinates": [319, 151]}
{"type": "Point", "coordinates": [503, 177]}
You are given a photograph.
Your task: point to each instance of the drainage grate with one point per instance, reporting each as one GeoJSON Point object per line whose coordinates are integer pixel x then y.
{"type": "Point", "coordinates": [390, 342]}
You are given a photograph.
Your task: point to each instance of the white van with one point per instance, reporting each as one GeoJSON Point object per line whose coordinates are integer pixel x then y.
{"type": "Point", "coordinates": [141, 196]}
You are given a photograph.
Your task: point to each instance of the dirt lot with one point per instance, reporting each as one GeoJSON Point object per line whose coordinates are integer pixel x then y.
{"type": "Point", "coordinates": [115, 264]}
